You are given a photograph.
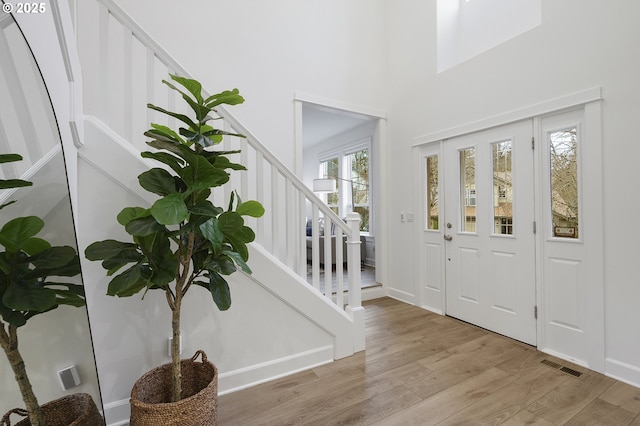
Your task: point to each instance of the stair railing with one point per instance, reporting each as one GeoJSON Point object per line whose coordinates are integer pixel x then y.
{"type": "Point", "coordinates": [131, 64]}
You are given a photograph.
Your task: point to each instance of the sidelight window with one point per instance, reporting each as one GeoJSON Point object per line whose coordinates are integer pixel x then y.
{"type": "Point", "coordinates": [468, 189]}
{"type": "Point", "coordinates": [432, 193]}
{"type": "Point", "coordinates": [502, 187]}
{"type": "Point", "coordinates": [563, 150]}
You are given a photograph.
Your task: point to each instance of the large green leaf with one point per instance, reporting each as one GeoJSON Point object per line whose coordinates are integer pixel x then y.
{"type": "Point", "coordinates": [239, 246]}
{"type": "Point", "coordinates": [12, 317]}
{"type": "Point", "coordinates": [250, 208]}
{"type": "Point", "coordinates": [144, 226]}
{"type": "Point", "coordinates": [205, 208]}
{"type": "Point", "coordinates": [10, 158]}
{"type": "Point", "coordinates": [170, 210]}
{"type": "Point", "coordinates": [231, 223]}
{"type": "Point", "coordinates": [107, 249]}
{"type": "Point", "coordinates": [170, 160]}
{"type": "Point", "coordinates": [55, 257]}
{"type": "Point", "coordinates": [193, 86]}
{"type": "Point", "coordinates": [159, 181]}
{"type": "Point", "coordinates": [127, 283]}
{"type": "Point", "coordinates": [114, 263]}
{"type": "Point", "coordinates": [237, 258]}
{"type": "Point", "coordinates": [127, 214]}
{"type": "Point", "coordinates": [185, 119]}
{"type": "Point", "coordinates": [203, 174]}
{"type": "Point", "coordinates": [198, 108]}
{"type": "Point", "coordinates": [159, 131]}
{"type": "Point", "coordinates": [29, 298]}
{"type": "Point", "coordinates": [71, 298]}
{"type": "Point", "coordinates": [229, 97]}
{"type": "Point", "coordinates": [35, 245]}
{"type": "Point", "coordinates": [222, 265]}
{"type": "Point", "coordinates": [219, 291]}
{"type": "Point", "coordinates": [223, 162]}
{"type": "Point", "coordinates": [14, 183]}
{"type": "Point", "coordinates": [15, 232]}
{"type": "Point", "coordinates": [211, 231]}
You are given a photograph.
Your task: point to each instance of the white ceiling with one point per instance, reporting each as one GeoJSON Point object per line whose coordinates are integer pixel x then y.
{"type": "Point", "coordinates": [321, 123]}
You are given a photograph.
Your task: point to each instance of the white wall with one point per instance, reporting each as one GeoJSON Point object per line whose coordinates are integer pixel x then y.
{"type": "Point", "coordinates": [270, 50]}
{"type": "Point", "coordinates": [579, 45]}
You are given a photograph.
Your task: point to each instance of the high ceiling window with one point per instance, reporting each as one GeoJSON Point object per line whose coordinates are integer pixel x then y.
{"type": "Point", "coordinates": [466, 28]}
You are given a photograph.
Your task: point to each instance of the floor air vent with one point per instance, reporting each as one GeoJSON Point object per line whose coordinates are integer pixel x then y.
{"type": "Point", "coordinates": [550, 363]}
{"type": "Point", "coordinates": [561, 368]}
{"type": "Point", "coordinates": [571, 371]}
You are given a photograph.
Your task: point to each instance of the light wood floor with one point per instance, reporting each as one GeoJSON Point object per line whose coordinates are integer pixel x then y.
{"type": "Point", "coordinates": [420, 369]}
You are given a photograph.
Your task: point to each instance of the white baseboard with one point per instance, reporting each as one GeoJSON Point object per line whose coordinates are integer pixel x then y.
{"type": "Point", "coordinates": [403, 296]}
{"type": "Point", "coordinates": [117, 413]}
{"type": "Point", "coordinates": [622, 371]}
{"type": "Point", "coordinates": [232, 381]}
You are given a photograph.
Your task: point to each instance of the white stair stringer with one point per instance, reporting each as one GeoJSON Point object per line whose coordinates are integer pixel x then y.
{"type": "Point", "coordinates": [283, 283]}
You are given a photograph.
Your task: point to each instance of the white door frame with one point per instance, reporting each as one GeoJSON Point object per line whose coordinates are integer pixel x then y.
{"type": "Point", "coordinates": [589, 100]}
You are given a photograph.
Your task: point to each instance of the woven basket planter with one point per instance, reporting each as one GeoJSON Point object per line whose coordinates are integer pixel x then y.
{"type": "Point", "coordinates": [72, 410]}
{"type": "Point", "coordinates": [151, 396]}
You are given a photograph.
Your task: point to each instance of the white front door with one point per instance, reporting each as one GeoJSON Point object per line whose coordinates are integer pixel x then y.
{"type": "Point", "coordinates": [488, 228]}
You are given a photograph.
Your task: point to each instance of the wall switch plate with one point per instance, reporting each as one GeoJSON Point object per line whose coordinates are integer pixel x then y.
{"type": "Point", "coordinates": [403, 217]}
{"type": "Point", "coordinates": [409, 217]}
{"type": "Point", "coordinates": [169, 340]}
{"type": "Point", "coordinates": [69, 377]}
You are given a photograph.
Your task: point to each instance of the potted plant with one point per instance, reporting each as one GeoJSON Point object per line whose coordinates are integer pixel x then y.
{"type": "Point", "coordinates": [30, 272]}
{"type": "Point", "coordinates": [183, 240]}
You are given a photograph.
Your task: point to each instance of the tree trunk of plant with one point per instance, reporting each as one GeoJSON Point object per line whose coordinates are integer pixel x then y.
{"type": "Point", "coordinates": [175, 349]}
{"type": "Point", "coordinates": [9, 342]}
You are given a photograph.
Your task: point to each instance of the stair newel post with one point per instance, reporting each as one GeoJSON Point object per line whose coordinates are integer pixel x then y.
{"type": "Point", "coordinates": [354, 308]}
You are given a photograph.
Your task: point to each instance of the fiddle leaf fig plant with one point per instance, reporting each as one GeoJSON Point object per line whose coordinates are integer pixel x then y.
{"type": "Point", "coordinates": [30, 285]}
{"type": "Point", "coordinates": [183, 240]}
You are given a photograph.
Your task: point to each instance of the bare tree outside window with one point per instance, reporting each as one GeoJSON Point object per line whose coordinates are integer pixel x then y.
{"type": "Point", "coordinates": [432, 193]}
{"type": "Point", "coordinates": [360, 187]}
{"type": "Point", "coordinates": [468, 188]}
{"type": "Point", "coordinates": [502, 154]}
{"type": "Point", "coordinates": [563, 148]}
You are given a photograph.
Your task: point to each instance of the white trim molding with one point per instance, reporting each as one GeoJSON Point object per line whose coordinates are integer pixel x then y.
{"type": "Point", "coordinates": [342, 106]}
{"type": "Point", "coordinates": [552, 105]}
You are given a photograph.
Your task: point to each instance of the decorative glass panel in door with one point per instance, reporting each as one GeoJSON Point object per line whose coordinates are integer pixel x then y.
{"type": "Point", "coordinates": [432, 193]}
{"type": "Point", "coordinates": [563, 150]}
{"type": "Point", "coordinates": [468, 189]}
{"type": "Point", "coordinates": [501, 153]}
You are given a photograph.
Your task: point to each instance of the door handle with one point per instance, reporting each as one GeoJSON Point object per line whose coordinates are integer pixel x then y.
{"type": "Point", "coordinates": [448, 237]}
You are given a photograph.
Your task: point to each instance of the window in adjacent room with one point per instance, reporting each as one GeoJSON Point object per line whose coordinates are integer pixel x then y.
{"type": "Point", "coordinates": [351, 169]}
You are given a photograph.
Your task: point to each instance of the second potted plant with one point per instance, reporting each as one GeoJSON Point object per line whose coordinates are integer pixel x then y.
{"type": "Point", "coordinates": [182, 241]}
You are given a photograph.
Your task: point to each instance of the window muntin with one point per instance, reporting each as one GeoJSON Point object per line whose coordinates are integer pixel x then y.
{"type": "Point", "coordinates": [564, 191]}
{"type": "Point", "coordinates": [432, 193]}
{"type": "Point", "coordinates": [502, 170]}
{"type": "Point", "coordinates": [468, 189]}
{"type": "Point", "coordinates": [359, 186]}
